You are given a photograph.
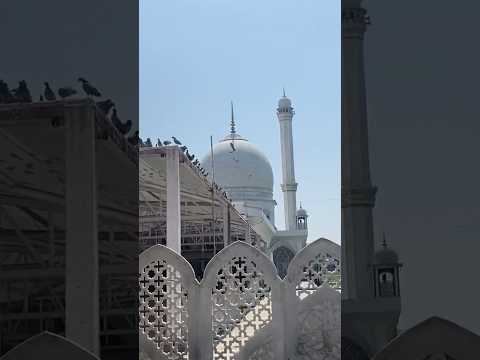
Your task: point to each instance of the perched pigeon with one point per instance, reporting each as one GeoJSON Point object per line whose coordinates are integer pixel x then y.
{"type": "Point", "coordinates": [176, 141]}
{"type": "Point", "coordinates": [190, 157]}
{"type": "Point", "coordinates": [166, 142]}
{"type": "Point", "coordinates": [106, 105]}
{"type": "Point", "coordinates": [159, 143]}
{"type": "Point", "coordinates": [196, 162]}
{"type": "Point", "coordinates": [183, 148]}
{"type": "Point", "coordinates": [134, 139]}
{"type": "Point", "coordinates": [148, 143]}
{"type": "Point", "coordinates": [48, 93]}
{"type": "Point", "coordinates": [22, 94]}
{"type": "Point", "coordinates": [124, 128]}
{"type": "Point", "coordinates": [88, 88]}
{"type": "Point", "coordinates": [5, 94]}
{"type": "Point", "coordinates": [66, 91]}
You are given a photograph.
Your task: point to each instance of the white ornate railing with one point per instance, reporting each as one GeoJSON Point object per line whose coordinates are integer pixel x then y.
{"type": "Point", "coordinates": [241, 309]}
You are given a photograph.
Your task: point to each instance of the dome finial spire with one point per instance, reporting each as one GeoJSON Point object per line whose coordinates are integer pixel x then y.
{"type": "Point", "coordinates": [284, 93]}
{"type": "Point", "coordinates": [232, 120]}
{"type": "Point", "coordinates": [384, 241]}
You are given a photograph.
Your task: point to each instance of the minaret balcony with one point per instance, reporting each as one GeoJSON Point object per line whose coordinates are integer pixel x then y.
{"type": "Point", "coordinates": [289, 187]}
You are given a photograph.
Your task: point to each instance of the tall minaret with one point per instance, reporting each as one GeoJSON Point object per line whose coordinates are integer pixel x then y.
{"type": "Point", "coordinates": [358, 194]}
{"type": "Point", "coordinates": [289, 186]}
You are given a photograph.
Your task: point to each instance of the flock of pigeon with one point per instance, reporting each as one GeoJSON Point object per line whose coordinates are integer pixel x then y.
{"type": "Point", "coordinates": [191, 157]}
{"type": "Point", "coordinates": [22, 94]}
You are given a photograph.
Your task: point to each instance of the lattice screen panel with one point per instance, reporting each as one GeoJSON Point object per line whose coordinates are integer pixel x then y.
{"type": "Point", "coordinates": [163, 309]}
{"type": "Point", "coordinates": [241, 305]}
{"type": "Point", "coordinates": [318, 270]}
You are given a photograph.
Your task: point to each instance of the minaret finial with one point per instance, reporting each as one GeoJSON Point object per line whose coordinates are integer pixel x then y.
{"type": "Point", "coordinates": [232, 120]}
{"type": "Point", "coordinates": [384, 241]}
{"type": "Point", "coordinates": [284, 93]}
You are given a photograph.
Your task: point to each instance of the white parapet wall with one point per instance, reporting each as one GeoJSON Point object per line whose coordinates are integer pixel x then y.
{"type": "Point", "coordinates": [241, 309]}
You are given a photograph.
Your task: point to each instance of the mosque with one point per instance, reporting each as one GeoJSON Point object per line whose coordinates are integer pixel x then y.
{"type": "Point", "coordinates": [246, 174]}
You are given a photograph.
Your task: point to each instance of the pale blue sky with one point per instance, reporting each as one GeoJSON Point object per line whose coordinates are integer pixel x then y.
{"type": "Point", "coordinates": [196, 56]}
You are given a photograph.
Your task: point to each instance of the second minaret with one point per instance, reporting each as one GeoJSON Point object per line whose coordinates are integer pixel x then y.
{"type": "Point", "coordinates": [289, 186]}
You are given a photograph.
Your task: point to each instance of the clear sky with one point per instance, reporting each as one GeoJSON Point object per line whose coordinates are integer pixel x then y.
{"type": "Point", "coordinates": [197, 56]}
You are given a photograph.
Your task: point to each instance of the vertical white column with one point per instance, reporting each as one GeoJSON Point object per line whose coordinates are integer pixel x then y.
{"type": "Point", "coordinates": [226, 225]}
{"type": "Point", "coordinates": [289, 186]}
{"type": "Point", "coordinates": [173, 200]}
{"type": "Point", "coordinates": [81, 248]}
{"type": "Point", "coordinates": [358, 194]}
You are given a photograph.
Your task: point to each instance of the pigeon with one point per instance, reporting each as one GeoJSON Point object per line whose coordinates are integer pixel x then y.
{"type": "Point", "coordinates": [190, 157]}
{"type": "Point", "coordinates": [176, 141]}
{"type": "Point", "coordinates": [183, 148]}
{"type": "Point", "coordinates": [148, 143]}
{"type": "Point", "coordinates": [124, 128]}
{"type": "Point", "coordinates": [166, 142]}
{"type": "Point", "coordinates": [159, 143]}
{"type": "Point", "coordinates": [66, 91]}
{"type": "Point", "coordinates": [134, 139]}
{"type": "Point", "coordinates": [48, 93]}
{"type": "Point", "coordinates": [22, 94]}
{"type": "Point", "coordinates": [196, 162]}
{"type": "Point", "coordinates": [5, 94]}
{"type": "Point", "coordinates": [88, 88]}
{"type": "Point", "coordinates": [106, 105]}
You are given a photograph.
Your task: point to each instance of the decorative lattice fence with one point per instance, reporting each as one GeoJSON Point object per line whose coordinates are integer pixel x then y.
{"type": "Point", "coordinates": [241, 309]}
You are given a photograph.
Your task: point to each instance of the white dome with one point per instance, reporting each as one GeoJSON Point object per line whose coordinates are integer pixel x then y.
{"type": "Point", "coordinates": [302, 212]}
{"type": "Point", "coordinates": [284, 102]}
{"type": "Point", "coordinates": [245, 170]}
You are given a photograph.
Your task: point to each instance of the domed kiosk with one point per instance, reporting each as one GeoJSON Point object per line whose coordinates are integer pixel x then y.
{"type": "Point", "coordinates": [243, 171]}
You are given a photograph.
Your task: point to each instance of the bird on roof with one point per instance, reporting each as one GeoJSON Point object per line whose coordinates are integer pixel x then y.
{"type": "Point", "coordinates": [176, 141]}
{"type": "Point", "coordinates": [105, 105]}
{"type": "Point", "coordinates": [166, 142]}
{"type": "Point", "coordinates": [148, 143]}
{"type": "Point", "coordinates": [196, 162]}
{"type": "Point", "coordinates": [22, 94]}
{"type": "Point", "coordinates": [5, 94]}
{"type": "Point", "coordinates": [183, 148]}
{"type": "Point", "coordinates": [134, 139]}
{"type": "Point", "coordinates": [159, 143]}
{"type": "Point", "coordinates": [48, 93]}
{"type": "Point", "coordinates": [190, 157]}
{"type": "Point", "coordinates": [88, 88]}
{"type": "Point", "coordinates": [66, 91]}
{"type": "Point", "coordinates": [124, 128]}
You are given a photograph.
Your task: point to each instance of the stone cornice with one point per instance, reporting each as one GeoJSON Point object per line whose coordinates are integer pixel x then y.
{"type": "Point", "coordinates": [289, 187]}
{"type": "Point", "coordinates": [354, 22]}
{"type": "Point", "coordinates": [364, 197]}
